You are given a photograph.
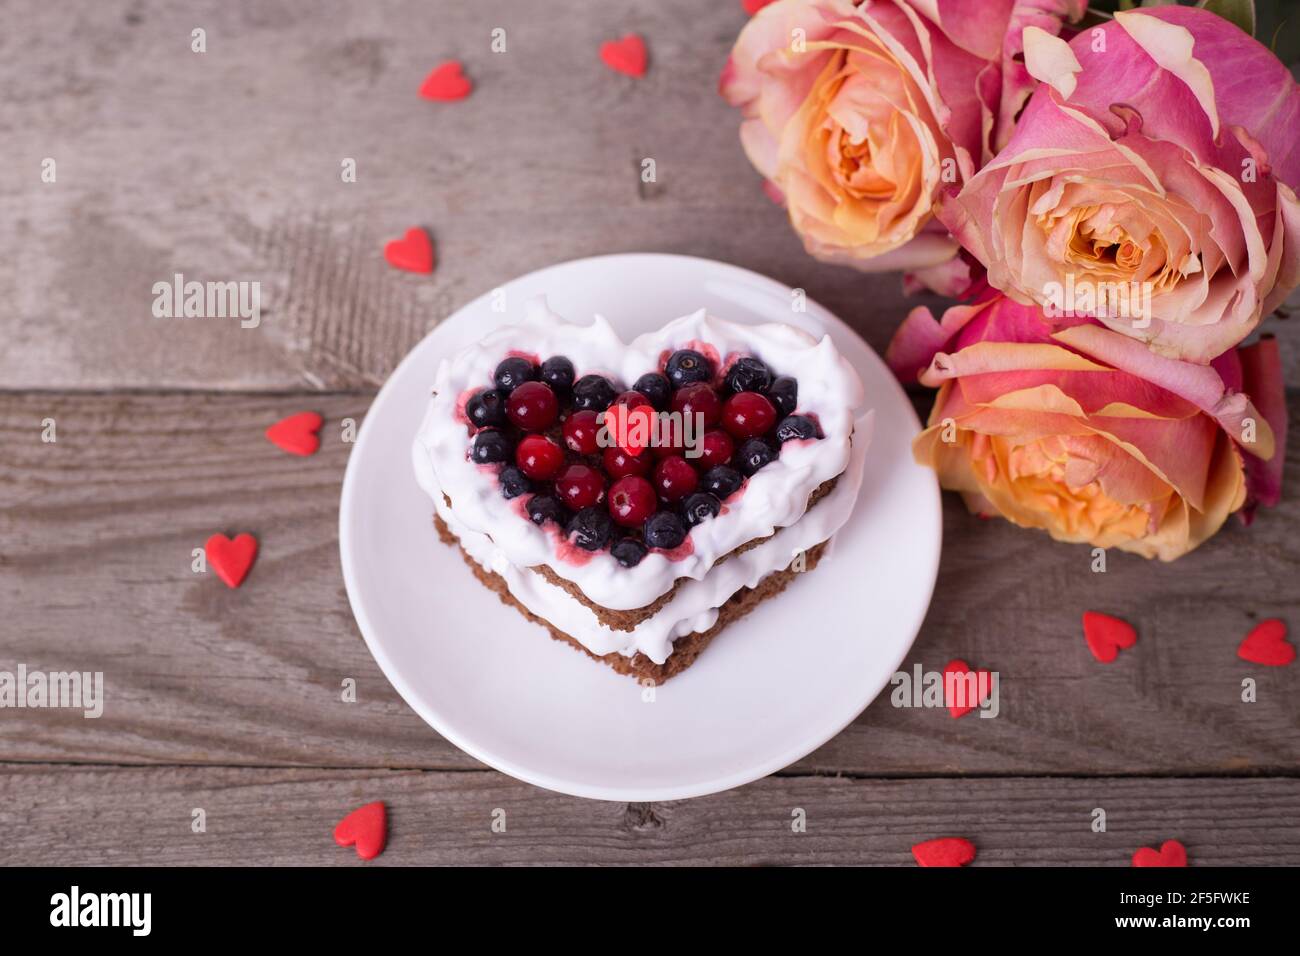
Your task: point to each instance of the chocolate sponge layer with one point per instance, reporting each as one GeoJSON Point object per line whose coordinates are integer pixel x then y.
{"type": "Point", "coordinates": [685, 649]}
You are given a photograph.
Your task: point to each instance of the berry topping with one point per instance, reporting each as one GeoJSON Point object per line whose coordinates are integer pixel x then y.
{"type": "Point", "coordinates": [631, 500]}
{"type": "Point", "coordinates": [721, 482]}
{"type": "Point", "coordinates": [796, 426]}
{"type": "Point", "coordinates": [580, 430]}
{"type": "Point", "coordinates": [784, 394]}
{"type": "Point", "coordinates": [655, 387]}
{"type": "Point", "coordinates": [748, 374]}
{"type": "Point", "coordinates": [558, 373]}
{"type": "Point", "coordinates": [513, 482]}
{"type": "Point", "coordinates": [686, 366]}
{"type": "Point", "coordinates": [533, 407]}
{"type": "Point", "coordinates": [513, 372]}
{"type": "Point", "coordinates": [629, 552]}
{"type": "Point", "coordinates": [544, 508]}
{"type": "Point", "coordinates": [699, 399]}
{"type": "Point", "coordinates": [631, 398]}
{"type": "Point", "coordinates": [593, 392]}
{"type": "Point", "coordinates": [490, 446]}
{"type": "Point", "coordinates": [487, 409]}
{"type": "Point", "coordinates": [715, 449]}
{"type": "Point", "coordinates": [539, 458]}
{"type": "Point", "coordinates": [700, 506]}
{"type": "Point", "coordinates": [747, 414]}
{"type": "Point", "coordinates": [619, 464]}
{"type": "Point", "coordinates": [590, 528]}
{"type": "Point", "coordinates": [664, 530]}
{"type": "Point", "coordinates": [752, 455]}
{"type": "Point", "coordinates": [579, 486]}
{"type": "Point", "coordinates": [674, 478]}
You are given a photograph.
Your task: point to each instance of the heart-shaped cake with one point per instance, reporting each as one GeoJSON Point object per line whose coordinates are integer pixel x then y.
{"type": "Point", "coordinates": [635, 498]}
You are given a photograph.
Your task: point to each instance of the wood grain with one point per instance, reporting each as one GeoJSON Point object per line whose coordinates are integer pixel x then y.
{"type": "Point", "coordinates": [259, 816]}
{"type": "Point", "coordinates": [96, 533]}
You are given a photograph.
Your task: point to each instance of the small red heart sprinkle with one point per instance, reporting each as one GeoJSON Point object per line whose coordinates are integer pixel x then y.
{"type": "Point", "coordinates": [296, 434]}
{"type": "Point", "coordinates": [627, 55]}
{"type": "Point", "coordinates": [446, 83]}
{"type": "Point", "coordinates": [231, 559]}
{"type": "Point", "coordinates": [753, 6]}
{"type": "Point", "coordinates": [413, 252]}
{"type": "Point", "coordinates": [945, 851]}
{"type": "Point", "coordinates": [1171, 853]}
{"type": "Point", "coordinates": [367, 827]}
{"type": "Point", "coordinates": [1106, 635]}
{"type": "Point", "coordinates": [958, 702]}
{"type": "Point", "coordinates": [1266, 644]}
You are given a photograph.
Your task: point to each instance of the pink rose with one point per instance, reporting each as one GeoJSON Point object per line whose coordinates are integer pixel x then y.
{"type": "Point", "coordinates": [1087, 434]}
{"type": "Point", "coordinates": [859, 113]}
{"type": "Point", "coordinates": [1150, 182]}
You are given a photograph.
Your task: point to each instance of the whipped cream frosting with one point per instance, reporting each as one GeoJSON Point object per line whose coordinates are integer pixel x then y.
{"type": "Point", "coordinates": [775, 497]}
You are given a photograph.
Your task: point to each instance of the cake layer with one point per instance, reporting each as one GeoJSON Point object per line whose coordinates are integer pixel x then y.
{"type": "Point", "coordinates": [686, 649]}
{"type": "Point", "coordinates": [694, 606]}
{"type": "Point", "coordinates": [773, 498]}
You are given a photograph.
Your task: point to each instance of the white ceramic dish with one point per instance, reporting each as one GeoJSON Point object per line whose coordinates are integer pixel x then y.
{"type": "Point", "coordinates": [767, 691]}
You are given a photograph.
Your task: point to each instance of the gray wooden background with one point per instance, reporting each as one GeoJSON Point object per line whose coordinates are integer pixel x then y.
{"type": "Point", "coordinates": [225, 165]}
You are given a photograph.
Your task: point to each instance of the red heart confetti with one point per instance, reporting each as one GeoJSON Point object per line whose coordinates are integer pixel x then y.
{"type": "Point", "coordinates": [944, 851]}
{"type": "Point", "coordinates": [753, 6]}
{"type": "Point", "coordinates": [413, 252]}
{"type": "Point", "coordinates": [1171, 853]}
{"type": "Point", "coordinates": [446, 83]}
{"type": "Point", "coordinates": [627, 55]}
{"type": "Point", "coordinates": [296, 434]}
{"type": "Point", "coordinates": [366, 827]}
{"type": "Point", "coordinates": [1106, 635]}
{"type": "Point", "coordinates": [1267, 644]}
{"type": "Point", "coordinates": [231, 559]}
{"type": "Point", "coordinates": [958, 702]}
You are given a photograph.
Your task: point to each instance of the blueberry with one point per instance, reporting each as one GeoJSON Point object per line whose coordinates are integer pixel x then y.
{"type": "Point", "coordinates": [629, 552]}
{"type": "Point", "coordinates": [749, 374]}
{"type": "Point", "coordinates": [796, 426]}
{"type": "Point", "coordinates": [590, 528]}
{"type": "Point", "coordinates": [491, 446]}
{"type": "Point", "coordinates": [513, 482]}
{"type": "Point", "coordinates": [686, 366]}
{"type": "Point", "coordinates": [784, 394]}
{"type": "Point", "coordinates": [594, 392]}
{"type": "Point", "coordinates": [486, 409]}
{"type": "Point", "coordinates": [558, 373]}
{"type": "Point", "coordinates": [700, 506]}
{"type": "Point", "coordinates": [513, 372]}
{"type": "Point", "coordinates": [656, 388]}
{"type": "Point", "coordinates": [721, 481]}
{"type": "Point", "coordinates": [753, 454]}
{"type": "Point", "coordinates": [544, 508]}
{"type": "Point", "coordinates": [664, 529]}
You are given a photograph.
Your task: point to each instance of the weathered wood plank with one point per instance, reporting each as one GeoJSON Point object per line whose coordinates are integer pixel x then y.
{"type": "Point", "coordinates": [225, 166]}
{"type": "Point", "coordinates": [95, 538]}
{"type": "Point", "coordinates": [257, 816]}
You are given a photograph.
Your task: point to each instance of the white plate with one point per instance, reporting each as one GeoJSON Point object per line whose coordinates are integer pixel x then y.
{"type": "Point", "coordinates": [768, 690]}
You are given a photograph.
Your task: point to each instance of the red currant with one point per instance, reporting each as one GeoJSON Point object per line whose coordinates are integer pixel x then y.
{"type": "Point", "coordinates": [716, 449]}
{"type": "Point", "coordinates": [631, 398]}
{"type": "Point", "coordinates": [748, 414]}
{"type": "Point", "coordinates": [671, 435]}
{"type": "Point", "coordinates": [699, 399]}
{"type": "Point", "coordinates": [579, 486]}
{"type": "Point", "coordinates": [619, 464]}
{"type": "Point", "coordinates": [675, 479]}
{"type": "Point", "coordinates": [532, 406]}
{"type": "Point", "coordinates": [538, 457]}
{"type": "Point", "coordinates": [631, 501]}
{"type": "Point", "coordinates": [580, 431]}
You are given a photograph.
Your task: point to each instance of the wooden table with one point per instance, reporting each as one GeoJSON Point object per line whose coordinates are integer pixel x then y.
{"type": "Point", "coordinates": [225, 165]}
